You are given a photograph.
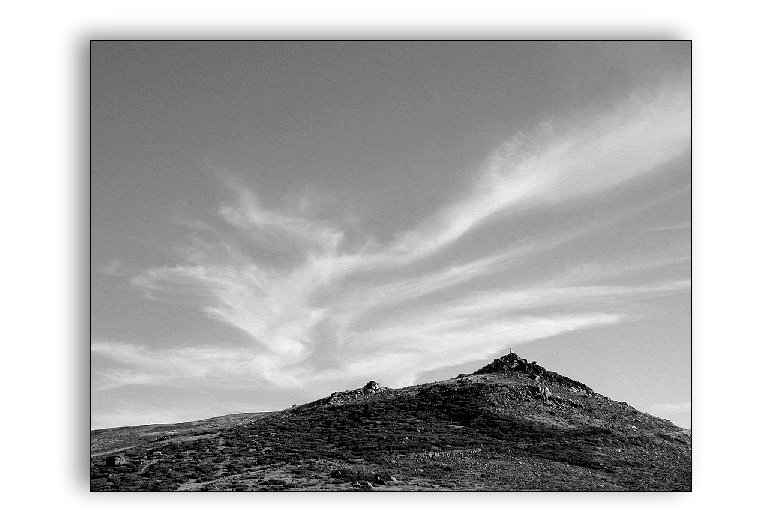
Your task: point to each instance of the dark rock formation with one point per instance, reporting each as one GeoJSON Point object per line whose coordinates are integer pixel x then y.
{"type": "Point", "coordinates": [513, 363]}
{"type": "Point", "coordinates": [337, 398]}
{"type": "Point", "coordinates": [116, 460]}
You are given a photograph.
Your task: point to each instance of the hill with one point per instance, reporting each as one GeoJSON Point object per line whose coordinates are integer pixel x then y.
{"type": "Point", "coordinates": [511, 425]}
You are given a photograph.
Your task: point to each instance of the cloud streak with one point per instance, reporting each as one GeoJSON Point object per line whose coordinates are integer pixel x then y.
{"type": "Point", "coordinates": [619, 147]}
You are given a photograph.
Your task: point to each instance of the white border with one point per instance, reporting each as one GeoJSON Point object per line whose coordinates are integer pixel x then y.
{"type": "Point", "coordinates": [736, 269]}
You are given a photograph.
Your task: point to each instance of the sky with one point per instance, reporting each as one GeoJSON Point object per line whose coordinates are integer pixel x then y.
{"type": "Point", "coordinates": [275, 221]}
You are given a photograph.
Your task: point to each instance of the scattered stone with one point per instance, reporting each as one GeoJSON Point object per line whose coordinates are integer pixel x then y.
{"type": "Point", "coordinates": [363, 485]}
{"type": "Point", "coordinates": [542, 391]}
{"type": "Point", "coordinates": [116, 460]}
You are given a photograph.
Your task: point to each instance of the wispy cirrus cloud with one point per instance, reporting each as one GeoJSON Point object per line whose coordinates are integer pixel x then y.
{"type": "Point", "coordinates": [618, 147]}
{"type": "Point", "coordinates": [316, 308]}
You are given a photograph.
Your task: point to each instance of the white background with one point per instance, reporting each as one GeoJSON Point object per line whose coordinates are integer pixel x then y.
{"type": "Point", "coordinates": [45, 265]}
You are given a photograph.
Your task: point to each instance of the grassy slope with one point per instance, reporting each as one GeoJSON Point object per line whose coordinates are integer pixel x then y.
{"type": "Point", "coordinates": [488, 431]}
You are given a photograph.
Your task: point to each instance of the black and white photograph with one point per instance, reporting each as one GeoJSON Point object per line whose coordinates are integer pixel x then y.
{"type": "Point", "coordinates": [390, 265]}
{"type": "Point", "coordinates": [400, 267]}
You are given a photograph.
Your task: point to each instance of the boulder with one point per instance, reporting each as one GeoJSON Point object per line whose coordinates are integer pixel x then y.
{"type": "Point", "coordinates": [116, 460]}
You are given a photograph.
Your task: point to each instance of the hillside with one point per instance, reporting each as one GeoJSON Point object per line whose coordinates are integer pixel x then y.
{"type": "Point", "coordinates": [511, 425]}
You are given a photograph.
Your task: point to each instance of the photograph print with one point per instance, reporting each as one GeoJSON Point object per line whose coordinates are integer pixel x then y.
{"type": "Point", "coordinates": [390, 266]}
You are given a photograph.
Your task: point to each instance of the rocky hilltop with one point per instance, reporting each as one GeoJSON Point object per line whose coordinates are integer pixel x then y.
{"type": "Point", "coordinates": [511, 425]}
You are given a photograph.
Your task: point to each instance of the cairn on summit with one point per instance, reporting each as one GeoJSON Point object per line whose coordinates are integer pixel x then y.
{"type": "Point", "coordinates": [509, 362]}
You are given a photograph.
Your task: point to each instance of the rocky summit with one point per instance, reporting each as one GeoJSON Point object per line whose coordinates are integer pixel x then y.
{"type": "Point", "coordinates": [511, 425]}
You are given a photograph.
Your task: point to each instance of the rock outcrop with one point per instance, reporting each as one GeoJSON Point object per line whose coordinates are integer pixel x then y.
{"type": "Point", "coordinates": [513, 363]}
{"type": "Point", "coordinates": [338, 398]}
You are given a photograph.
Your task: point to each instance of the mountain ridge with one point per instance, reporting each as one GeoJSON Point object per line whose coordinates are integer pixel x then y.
{"type": "Point", "coordinates": [510, 425]}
